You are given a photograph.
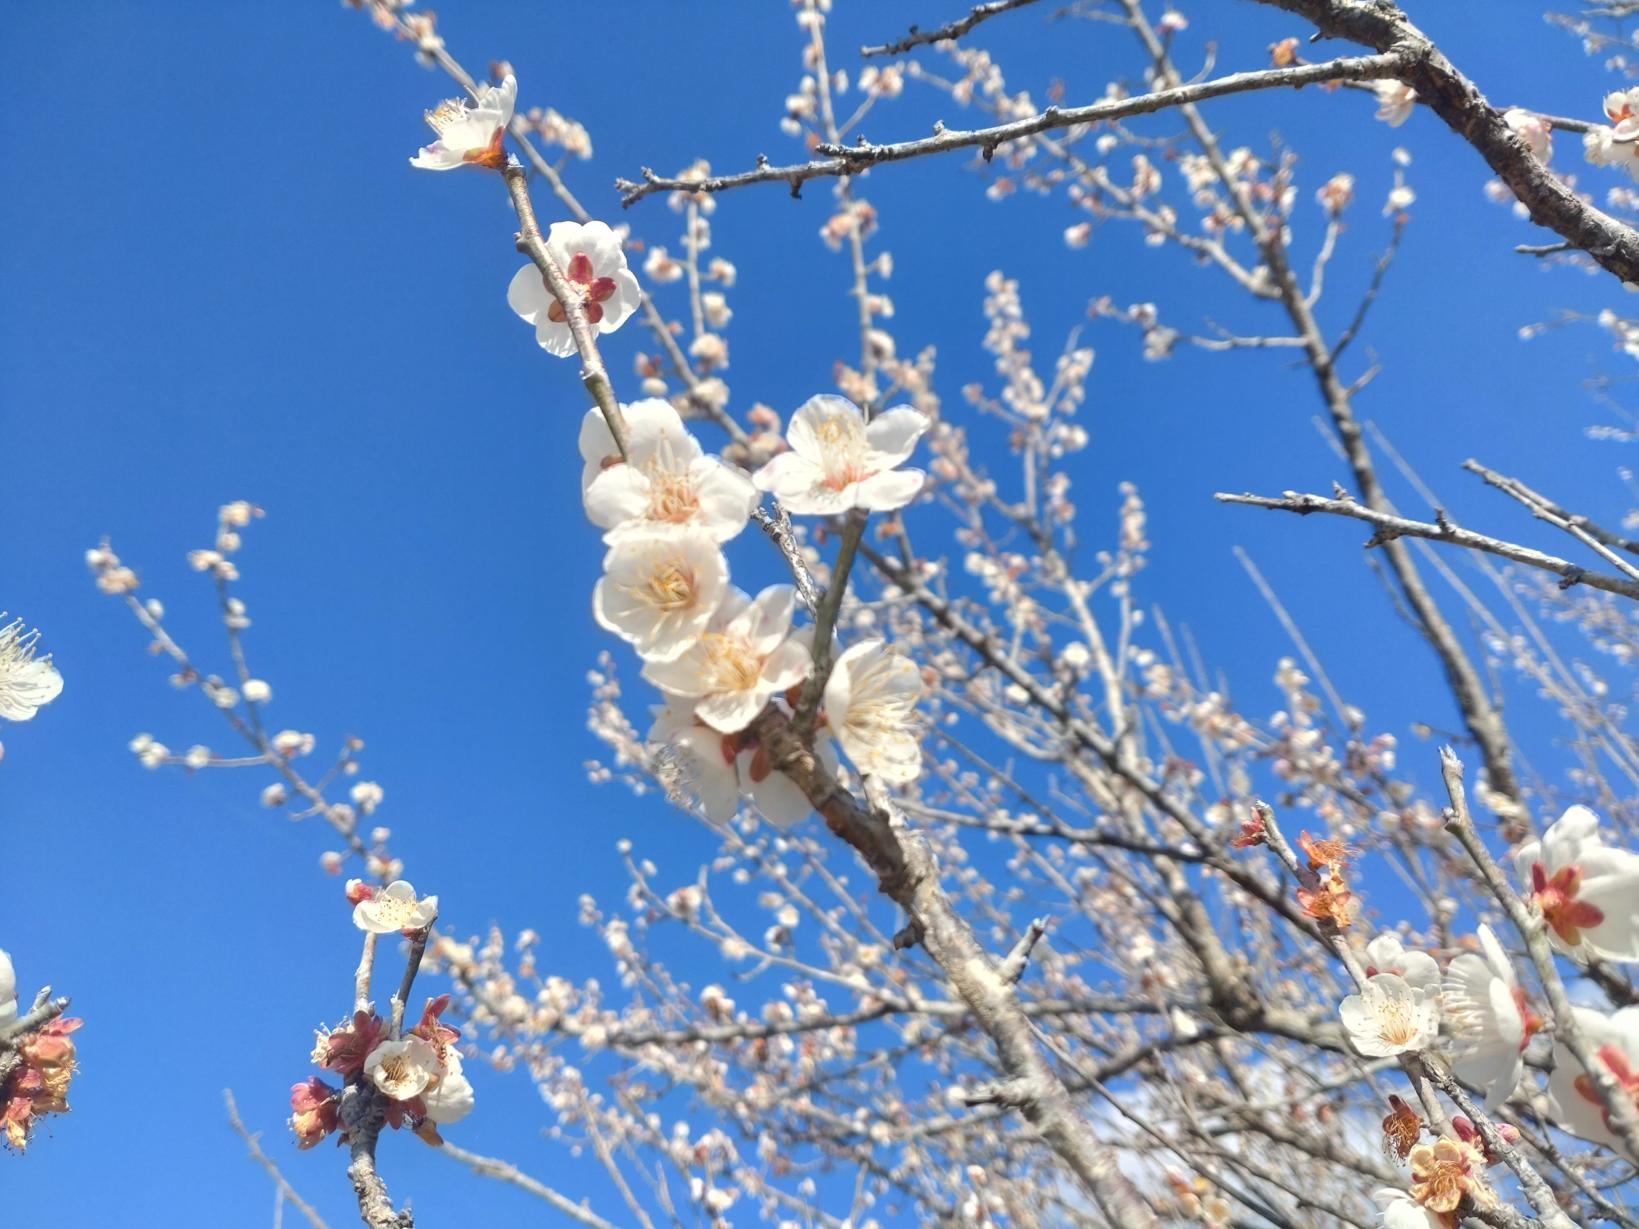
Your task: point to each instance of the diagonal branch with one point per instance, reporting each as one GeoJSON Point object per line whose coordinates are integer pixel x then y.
{"type": "Point", "coordinates": [948, 32]}
{"type": "Point", "coordinates": [1442, 529]}
{"type": "Point", "coordinates": [852, 159]}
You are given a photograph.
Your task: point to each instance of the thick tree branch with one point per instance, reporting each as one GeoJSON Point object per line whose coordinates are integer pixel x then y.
{"type": "Point", "coordinates": [1458, 101]}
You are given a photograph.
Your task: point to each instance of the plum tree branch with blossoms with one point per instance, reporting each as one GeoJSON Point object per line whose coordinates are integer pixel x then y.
{"type": "Point", "coordinates": [1083, 997]}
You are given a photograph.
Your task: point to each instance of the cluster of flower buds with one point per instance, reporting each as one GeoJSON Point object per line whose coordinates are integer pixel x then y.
{"type": "Point", "coordinates": [36, 1065]}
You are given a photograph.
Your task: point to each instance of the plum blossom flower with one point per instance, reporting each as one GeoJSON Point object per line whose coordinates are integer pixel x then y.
{"type": "Point", "coordinates": [451, 1098]}
{"type": "Point", "coordinates": [1395, 101]}
{"type": "Point", "coordinates": [1386, 954]}
{"type": "Point", "coordinates": [402, 1069]}
{"type": "Point", "coordinates": [645, 420]}
{"type": "Point", "coordinates": [669, 483]}
{"type": "Point", "coordinates": [27, 682]}
{"type": "Point", "coordinates": [314, 1111]}
{"type": "Point", "coordinates": [1389, 1016]}
{"type": "Point", "coordinates": [395, 908]}
{"type": "Point", "coordinates": [870, 705]}
{"type": "Point", "coordinates": [594, 264]}
{"type": "Point", "coordinates": [1614, 1040]}
{"type": "Point", "coordinates": [1489, 1019]}
{"type": "Point", "coordinates": [470, 134]}
{"type": "Point", "coordinates": [745, 657]}
{"type": "Point", "coordinates": [837, 461]}
{"type": "Point", "coordinates": [1533, 130]}
{"type": "Point", "coordinates": [716, 769]}
{"type": "Point", "coordinates": [659, 591]}
{"type": "Point", "coordinates": [1617, 145]}
{"type": "Point", "coordinates": [1400, 1211]}
{"type": "Point", "coordinates": [1443, 1172]}
{"type": "Point", "coordinates": [1587, 891]}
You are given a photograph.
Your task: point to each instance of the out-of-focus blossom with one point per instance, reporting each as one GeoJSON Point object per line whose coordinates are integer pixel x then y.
{"type": "Point", "coordinates": [8, 989]}
{"type": "Point", "coordinates": [837, 461]}
{"type": "Point", "coordinates": [1533, 130]}
{"type": "Point", "coordinates": [1395, 101]}
{"type": "Point", "coordinates": [1489, 1019]}
{"type": "Point", "coordinates": [1614, 1039]}
{"type": "Point", "coordinates": [1389, 1016]}
{"type": "Point", "coordinates": [870, 705]}
{"type": "Point", "coordinates": [1587, 891]}
{"type": "Point", "coordinates": [27, 682]}
{"type": "Point", "coordinates": [450, 1099]}
{"type": "Point", "coordinates": [395, 908]}
{"type": "Point", "coordinates": [594, 264]}
{"type": "Point", "coordinates": [1400, 1211]}
{"type": "Point", "coordinates": [705, 766]}
{"type": "Point", "coordinates": [470, 133]}
{"type": "Point", "coordinates": [746, 656]}
{"type": "Point", "coordinates": [659, 590]}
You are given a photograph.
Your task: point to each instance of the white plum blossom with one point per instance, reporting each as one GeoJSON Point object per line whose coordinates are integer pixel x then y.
{"type": "Point", "coordinates": [870, 705]}
{"type": "Point", "coordinates": [1614, 1040]}
{"type": "Point", "coordinates": [402, 1069]}
{"type": "Point", "coordinates": [659, 590]}
{"type": "Point", "coordinates": [716, 769]}
{"type": "Point", "coordinates": [1617, 145]}
{"type": "Point", "coordinates": [1533, 130]}
{"type": "Point", "coordinates": [1587, 891]}
{"type": "Point", "coordinates": [1400, 1211]}
{"type": "Point", "coordinates": [1390, 1016]}
{"type": "Point", "coordinates": [1386, 954]}
{"type": "Point", "coordinates": [668, 483]}
{"type": "Point", "coordinates": [256, 691]}
{"type": "Point", "coordinates": [646, 420]}
{"type": "Point", "coordinates": [395, 908]}
{"type": "Point", "coordinates": [746, 656]}
{"type": "Point", "coordinates": [1489, 1020]}
{"type": "Point", "coordinates": [27, 682]}
{"type": "Point", "coordinates": [838, 462]}
{"type": "Point", "coordinates": [1395, 101]}
{"type": "Point", "coordinates": [470, 133]}
{"type": "Point", "coordinates": [450, 1099]}
{"type": "Point", "coordinates": [593, 262]}
{"type": "Point", "coordinates": [8, 989]}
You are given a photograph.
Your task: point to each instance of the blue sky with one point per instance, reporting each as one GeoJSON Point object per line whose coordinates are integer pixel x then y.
{"type": "Point", "coordinates": [224, 281]}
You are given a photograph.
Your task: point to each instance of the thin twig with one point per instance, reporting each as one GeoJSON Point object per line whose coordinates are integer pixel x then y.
{"type": "Point", "coordinates": [948, 32]}
{"type": "Point", "coordinates": [261, 1158]}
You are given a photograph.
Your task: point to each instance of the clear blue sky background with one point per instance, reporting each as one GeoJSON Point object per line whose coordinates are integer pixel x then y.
{"type": "Point", "coordinates": [223, 280]}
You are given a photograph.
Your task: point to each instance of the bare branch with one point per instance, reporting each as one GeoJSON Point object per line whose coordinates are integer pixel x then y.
{"type": "Point", "coordinates": [852, 159]}
{"type": "Point", "coordinates": [950, 31]}
{"type": "Point", "coordinates": [266, 1162]}
{"type": "Point", "coordinates": [1390, 527]}
{"type": "Point", "coordinates": [489, 1167]}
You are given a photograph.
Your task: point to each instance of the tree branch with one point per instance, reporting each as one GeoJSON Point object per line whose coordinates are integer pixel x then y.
{"type": "Point", "coordinates": [948, 32]}
{"type": "Point", "coordinates": [852, 159]}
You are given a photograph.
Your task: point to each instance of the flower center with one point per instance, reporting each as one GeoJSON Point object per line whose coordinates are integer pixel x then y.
{"type": "Point", "coordinates": [394, 910]}
{"type": "Point", "coordinates": [1557, 899]}
{"type": "Point", "coordinates": [670, 587]}
{"type": "Point", "coordinates": [591, 291]}
{"type": "Point", "coordinates": [730, 664]}
{"type": "Point", "coordinates": [1395, 1025]}
{"type": "Point", "coordinates": [842, 443]}
{"type": "Point", "coordinates": [672, 497]}
{"type": "Point", "coordinates": [1530, 1022]}
{"type": "Point", "coordinates": [395, 1069]}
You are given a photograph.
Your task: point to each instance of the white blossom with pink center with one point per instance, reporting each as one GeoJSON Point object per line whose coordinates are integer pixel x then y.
{"type": "Point", "coordinates": [594, 264]}
{"type": "Point", "coordinates": [1614, 1040]}
{"type": "Point", "coordinates": [470, 133]}
{"type": "Point", "coordinates": [747, 656]}
{"type": "Point", "coordinates": [1617, 145]}
{"type": "Point", "coordinates": [1395, 101]}
{"type": "Point", "coordinates": [705, 766]}
{"type": "Point", "coordinates": [668, 484]}
{"type": "Point", "coordinates": [1490, 1022]}
{"type": "Point", "coordinates": [1389, 1016]}
{"type": "Point", "coordinates": [660, 590]}
{"type": "Point", "coordinates": [838, 461]}
{"type": "Point", "coordinates": [1587, 891]}
{"type": "Point", "coordinates": [870, 705]}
